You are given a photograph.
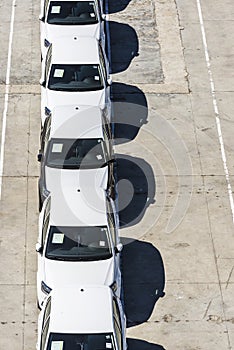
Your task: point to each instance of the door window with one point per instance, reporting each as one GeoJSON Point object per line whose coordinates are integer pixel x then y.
{"type": "Point", "coordinates": [46, 220]}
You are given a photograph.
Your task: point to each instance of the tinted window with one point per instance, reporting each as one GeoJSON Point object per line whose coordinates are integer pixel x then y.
{"type": "Point", "coordinates": [81, 341]}
{"type": "Point", "coordinates": [48, 62]}
{"type": "Point", "coordinates": [45, 133]}
{"type": "Point", "coordinates": [46, 6]}
{"type": "Point", "coordinates": [44, 229]}
{"type": "Point", "coordinates": [44, 335]}
{"type": "Point", "coordinates": [118, 335]}
{"type": "Point", "coordinates": [78, 243]}
{"type": "Point", "coordinates": [47, 312]}
{"type": "Point", "coordinates": [46, 220]}
{"type": "Point", "coordinates": [112, 228]}
{"type": "Point", "coordinates": [117, 324]}
{"type": "Point", "coordinates": [67, 77]}
{"type": "Point", "coordinates": [72, 12]}
{"type": "Point", "coordinates": [102, 61]}
{"type": "Point", "coordinates": [75, 154]}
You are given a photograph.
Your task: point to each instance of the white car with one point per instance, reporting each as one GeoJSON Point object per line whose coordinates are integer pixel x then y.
{"type": "Point", "coordinates": [80, 18]}
{"type": "Point", "coordinates": [76, 144]}
{"type": "Point", "coordinates": [82, 318]}
{"type": "Point", "coordinates": [78, 240]}
{"type": "Point", "coordinates": [75, 72]}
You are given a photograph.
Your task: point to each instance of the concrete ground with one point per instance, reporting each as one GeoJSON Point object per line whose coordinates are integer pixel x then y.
{"type": "Point", "coordinates": [175, 199]}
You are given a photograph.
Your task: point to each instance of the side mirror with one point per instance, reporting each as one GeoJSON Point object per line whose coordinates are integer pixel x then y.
{"type": "Point", "coordinates": [118, 248]}
{"type": "Point", "coordinates": [41, 18]}
{"type": "Point", "coordinates": [39, 248]}
{"type": "Point", "coordinates": [109, 81]}
{"type": "Point", "coordinates": [103, 17]}
{"type": "Point", "coordinates": [39, 157]}
{"type": "Point", "coordinates": [42, 82]}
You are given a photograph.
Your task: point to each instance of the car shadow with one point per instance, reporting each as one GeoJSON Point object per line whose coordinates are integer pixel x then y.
{"type": "Point", "coordinates": [124, 46]}
{"type": "Point", "coordinates": [137, 344]}
{"type": "Point", "coordinates": [116, 6]}
{"type": "Point", "coordinates": [130, 111]}
{"type": "Point", "coordinates": [143, 279]}
{"type": "Point", "coordinates": [135, 187]}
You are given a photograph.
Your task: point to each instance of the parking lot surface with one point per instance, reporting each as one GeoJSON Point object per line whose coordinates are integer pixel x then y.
{"type": "Point", "coordinates": [173, 107]}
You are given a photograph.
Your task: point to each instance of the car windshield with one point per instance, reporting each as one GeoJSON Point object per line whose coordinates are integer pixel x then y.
{"type": "Point", "coordinates": [72, 12]}
{"type": "Point", "coordinates": [80, 341]}
{"type": "Point", "coordinates": [75, 77]}
{"type": "Point", "coordinates": [76, 154]}
{"type": "Point", "coordinates": [87, 243]}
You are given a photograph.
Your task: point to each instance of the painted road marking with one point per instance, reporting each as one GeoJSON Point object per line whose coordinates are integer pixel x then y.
{"type": "Point", "coordinates": [6, 99]}
{"type": "Point", "coordinates": [216, 110]}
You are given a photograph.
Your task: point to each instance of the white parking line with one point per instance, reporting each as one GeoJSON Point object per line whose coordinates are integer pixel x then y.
{"type": "Point", "coordinates": [216, 110]}
{"type": "Point", "coordinates": [4, 117]}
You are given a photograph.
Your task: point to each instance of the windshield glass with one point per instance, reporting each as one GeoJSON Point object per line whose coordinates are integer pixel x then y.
{"type": "Point", "coordinates": [72, 12]}
{"type": "Point", "coordinates": [76, 154]}
{"type": "Point", "coordinates": [75, 77]}
{"type": "Point", "coordinates": [80, 341]}
{"type": "Point", "coordinates": [78, 243]}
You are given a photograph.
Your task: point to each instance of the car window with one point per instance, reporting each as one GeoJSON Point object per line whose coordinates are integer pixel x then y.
{"type": "Point", "coordinates": [47, 209]}
{"type": "Point", "coordinates": [117, 323]}
{"type": "Point", "coordinates": [116, 312]}
{"type": "Point", "coordinates": [44, 230]}
{"type": "Point", "coordinates": [46, 6]}
{"type": "Point", "coordinates": [81, 341]}
{"type": "Point", "coordinates": [44, 334]}
{"type": "Point", "coordinates": [48, 62]}
{"type": "Point", "coordinates": [46, 312]}
{"type": "Point", "coordinates": [45, 134]}
{"type": "Point", "coordinates": [112, 228]}
{"type": "Point", "coordinates": [46, 220]}
{"type": "Point", "coordinates": [102, 62]}
{"type": "Point", "coordinates": [98, 4]}
{"type": "Point", "coordinates": [75, 154]}
{"type": "Point", "coordinates": [111, 222]}
{"type": "Point", "coordinates": [75, 77]}
{"type": "Point", "coordinates": [118, 335]}
{"type": "Point", "coordinates": [107, 141]}
{"type": "Point", "coordinates": [78, 243]}
{"type": "Point", "coordinates": [72, 13]}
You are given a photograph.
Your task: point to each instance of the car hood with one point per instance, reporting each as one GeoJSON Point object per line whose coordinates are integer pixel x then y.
{"type": "Point", "coordinates": [58, 98]}
{"type": "Point", "coordinates": [58, 273]}
{"type": "Point", "coordinates": [57, 179]}
{"type": "Point", "coordinates": [54, 31]}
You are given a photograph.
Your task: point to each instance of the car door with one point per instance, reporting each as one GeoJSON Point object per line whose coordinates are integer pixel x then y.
{"type": "Point", "coordinates": [104, 64]}
{"type": "Point", "coordinates": [44, 220]}
{"type": "Point", "coordinates": [115, 240]}
{"type": "Point", "coordinates": [43, 20]}
{"type": "Point", "coordinates": [45, 137]}
{"type": "Point", "coordinates": [46, 66]}
{"type": "Point", "coordinates": [118, 326]}
{"type": "Point", "coordinates": [110, 159]}
{"type": "Point", "coordinates": [45, 325]}
{"type": "Point", "coordinates": [101, 18]}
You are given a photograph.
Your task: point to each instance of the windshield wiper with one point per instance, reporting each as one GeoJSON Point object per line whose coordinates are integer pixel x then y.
{"type": "Point", "coordinates": [53, 257]}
